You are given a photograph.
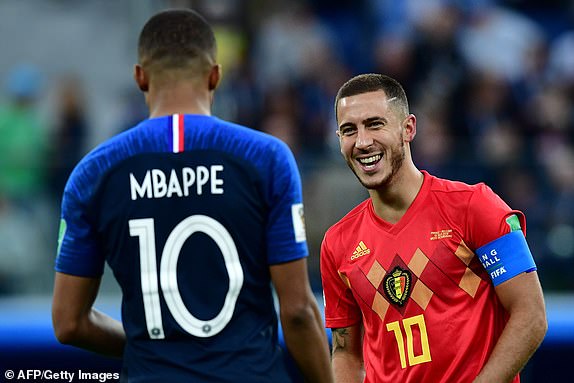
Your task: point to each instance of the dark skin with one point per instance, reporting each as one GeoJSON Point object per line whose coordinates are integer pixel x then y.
{"type": "Point", "coordinates": [301, 320]}
{"type": "Point", "coordinates": [77, 323]}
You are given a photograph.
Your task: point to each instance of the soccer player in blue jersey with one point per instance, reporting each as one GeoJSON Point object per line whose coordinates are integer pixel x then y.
{"type": "Point", "coordinates": [198, 218]}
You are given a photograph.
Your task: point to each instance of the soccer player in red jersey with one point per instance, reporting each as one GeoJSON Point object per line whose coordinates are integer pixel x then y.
{"type": "Point", "coordinates": [428, 280]}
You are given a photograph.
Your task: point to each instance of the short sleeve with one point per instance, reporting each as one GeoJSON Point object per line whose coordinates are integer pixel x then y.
{"type": "Point", "coordinates": [489, 217]}
{"type": "Point", "coordinates": [78, 251]}
{"type": "Point", "coordinates": [341, 309]}
{"type": "Point", "coordinates": [286, 238]}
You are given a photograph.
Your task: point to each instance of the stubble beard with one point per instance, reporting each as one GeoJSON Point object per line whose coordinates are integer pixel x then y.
{"type": "Point", "coordinates": [397, 158]}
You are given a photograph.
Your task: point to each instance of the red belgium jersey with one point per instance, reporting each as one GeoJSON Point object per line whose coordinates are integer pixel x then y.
{"type": "Point", "coordinates": [428, 307]}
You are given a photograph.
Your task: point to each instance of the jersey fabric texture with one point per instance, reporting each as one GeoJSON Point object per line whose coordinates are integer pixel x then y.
{"type": "Point", "coordinates": [428, 307]}
{"type": "Point", "coordinates": [189, 212]}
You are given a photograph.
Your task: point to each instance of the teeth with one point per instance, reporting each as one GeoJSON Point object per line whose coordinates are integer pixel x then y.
{"type": "Point", "coordinates": [370, 160]}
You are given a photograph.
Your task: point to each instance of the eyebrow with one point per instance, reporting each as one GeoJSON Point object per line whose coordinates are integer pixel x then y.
{"type": "Point", "coordinates": [371, 119]}
{"type": "Point", "coordinates": [364, 122]}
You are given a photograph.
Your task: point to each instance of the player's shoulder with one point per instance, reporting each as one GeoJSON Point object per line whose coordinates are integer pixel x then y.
{"type": "Point", "coordinates": [243, 136]}
{"type": "Point", "coordinates": [269, 156]}
{"type": "Point", "coordinates": [456, 198]}
{"type": "Point", "coordinates": [351, 219]}
{"type": "Point", "coordinates": [455, 189]}
{"type": "Point", "coordinates": [92, 168]}
{"type": "Point", "coordinates": [452, 186]}
{"type": "Point", "coordinates": [109, 151]}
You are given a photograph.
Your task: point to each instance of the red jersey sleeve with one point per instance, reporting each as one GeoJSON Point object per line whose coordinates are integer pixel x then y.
{"type": "Point", "coordinates": [489, 217]}
{"type": "Point", "coordinates": [341, 309]}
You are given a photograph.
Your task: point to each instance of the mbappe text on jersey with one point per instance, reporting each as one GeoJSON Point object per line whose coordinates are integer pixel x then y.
{"type": "Point", "coordinates": [177, 183]}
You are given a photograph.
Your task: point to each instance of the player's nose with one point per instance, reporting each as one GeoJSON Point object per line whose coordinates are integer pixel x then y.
{"type": "Point", "coordinates": [364, 139]}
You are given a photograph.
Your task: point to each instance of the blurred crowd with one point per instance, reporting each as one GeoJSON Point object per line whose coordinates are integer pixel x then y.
{"type": "Point", "coordinates": [491, 83]}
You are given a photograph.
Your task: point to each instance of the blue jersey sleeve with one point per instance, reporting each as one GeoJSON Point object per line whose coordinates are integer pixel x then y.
{"type": "Point", "coordinates": [78, 252]}
{"type": "Point", "coordinates": [286, 239]}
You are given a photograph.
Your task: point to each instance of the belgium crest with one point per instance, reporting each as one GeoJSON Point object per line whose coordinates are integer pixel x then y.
{"type": "Point", "coordinates": [398, 285]}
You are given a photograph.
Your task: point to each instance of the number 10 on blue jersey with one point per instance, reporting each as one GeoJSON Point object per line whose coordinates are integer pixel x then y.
{"type": "Point", "coordinates": [144, 229]}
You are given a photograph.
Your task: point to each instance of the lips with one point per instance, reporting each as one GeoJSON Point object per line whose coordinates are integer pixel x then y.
{"type": "Point", "coordinates": [370, 162]}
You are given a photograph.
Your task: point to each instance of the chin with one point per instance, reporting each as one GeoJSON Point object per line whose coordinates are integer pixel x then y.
{"type": "Point", "coordinates": [375, 180]}
{"type": "Point", "coordinates": [373, 183]}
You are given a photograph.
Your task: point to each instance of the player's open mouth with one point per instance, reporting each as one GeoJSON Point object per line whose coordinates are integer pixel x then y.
{"type": "Point", "coordinates": [369, 163]}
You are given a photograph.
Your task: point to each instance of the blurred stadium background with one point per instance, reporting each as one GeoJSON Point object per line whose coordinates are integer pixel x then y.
{"type": "Point", "coordinates": [490, 81]}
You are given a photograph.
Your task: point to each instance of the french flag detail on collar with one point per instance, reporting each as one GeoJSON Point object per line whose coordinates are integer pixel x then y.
{"type": "Point", "coordinates": [177, 133]}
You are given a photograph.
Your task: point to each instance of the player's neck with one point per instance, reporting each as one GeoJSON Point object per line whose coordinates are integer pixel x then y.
{"type": "Point", "coordinates": [183, 98]}
{"type": "Point", "coordinates": [392, 202]}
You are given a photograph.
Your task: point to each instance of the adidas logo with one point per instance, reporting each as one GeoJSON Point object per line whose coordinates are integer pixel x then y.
{"type": "Point", "coordinates": [361, 250]}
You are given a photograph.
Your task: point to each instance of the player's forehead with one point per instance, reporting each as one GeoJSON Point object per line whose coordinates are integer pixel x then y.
{"type": "Point", "coordinates": [362, 106]}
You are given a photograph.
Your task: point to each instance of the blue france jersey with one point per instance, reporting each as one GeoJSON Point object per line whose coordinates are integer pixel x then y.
{"type": "Point", "coordinates": [189, 212]}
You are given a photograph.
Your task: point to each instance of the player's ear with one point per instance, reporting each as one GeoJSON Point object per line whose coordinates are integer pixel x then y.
{"type": "Point", "coordinates": [141, 78]}
{"type": "Point", "coordinates": [409, 128]}
{"type": "Point", "coordinates": [214, 77]}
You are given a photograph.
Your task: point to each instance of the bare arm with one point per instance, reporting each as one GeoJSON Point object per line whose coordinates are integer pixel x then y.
{"type": "Point", "coordinates": [75, 321]}
{"type": "Point", "coordinates": [301, 320]}
{"type": "Point", "coordinates": [347, 355]}
{"type": "Point", "coordinates": [522, 298]}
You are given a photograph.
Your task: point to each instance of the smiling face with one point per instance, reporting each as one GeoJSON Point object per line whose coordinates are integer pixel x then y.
{"type": "Point", "coordinates": [373, 133]}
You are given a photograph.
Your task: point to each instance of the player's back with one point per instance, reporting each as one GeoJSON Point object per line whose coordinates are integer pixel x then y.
{"type": "Point", "coordinates": [189, 213]}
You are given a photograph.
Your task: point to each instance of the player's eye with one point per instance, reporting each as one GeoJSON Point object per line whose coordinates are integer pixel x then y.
{"type": "Point", "coordinates": [347, 130]}
{"type": "Point", "coordinates": [375, 124]}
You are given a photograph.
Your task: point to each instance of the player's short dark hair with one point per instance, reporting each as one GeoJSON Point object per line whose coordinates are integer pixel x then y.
{"type": "Point", "coordinates": [172, 39]}
{"type": "Point", "coordinates": [373, 82]}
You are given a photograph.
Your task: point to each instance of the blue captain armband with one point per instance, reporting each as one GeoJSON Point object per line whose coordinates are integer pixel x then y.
{"type": "Point", "coordinates": [506, 257]}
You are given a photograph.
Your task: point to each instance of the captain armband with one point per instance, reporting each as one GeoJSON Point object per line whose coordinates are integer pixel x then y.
{"type": "Point", "coordinates": [506, 257]}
